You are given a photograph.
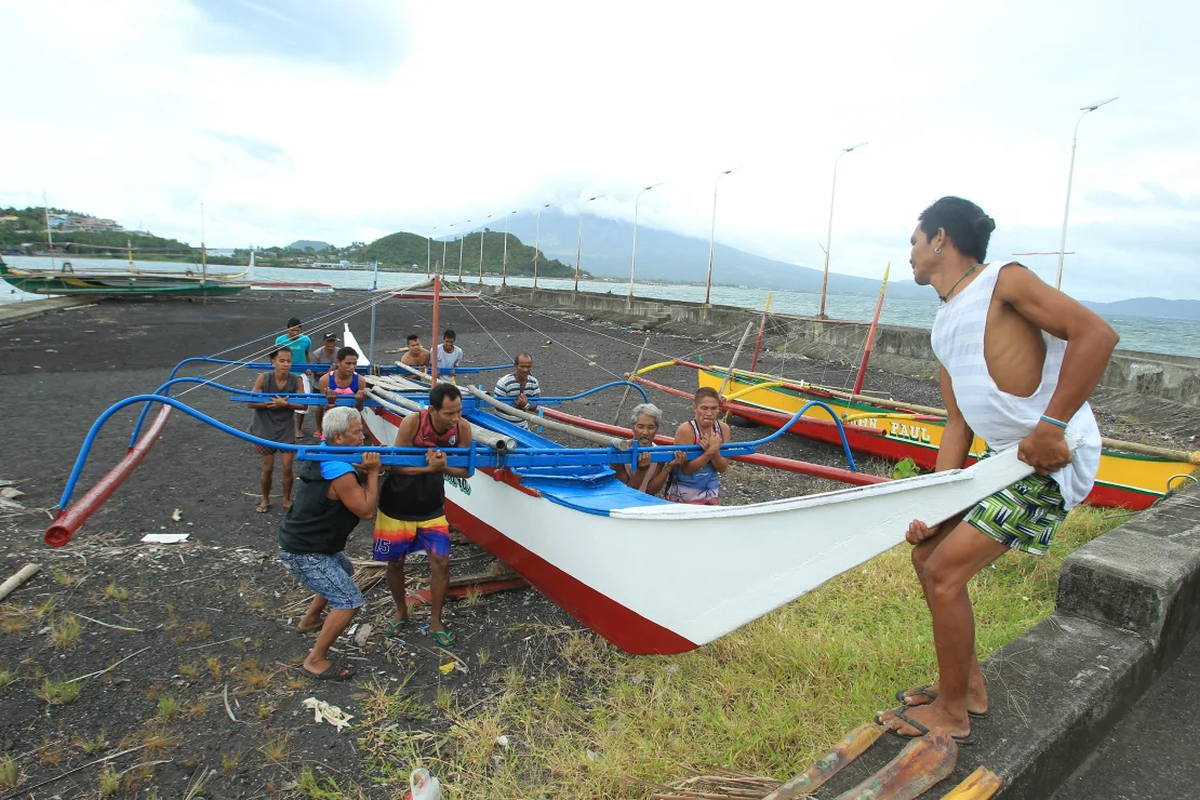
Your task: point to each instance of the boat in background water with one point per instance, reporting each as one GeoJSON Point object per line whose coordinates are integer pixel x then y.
{"type": "Point", "coordinates": [121, 283]}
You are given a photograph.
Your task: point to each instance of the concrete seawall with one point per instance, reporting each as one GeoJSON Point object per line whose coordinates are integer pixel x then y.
{"type": "Point", "coordinates": [1169, 378]}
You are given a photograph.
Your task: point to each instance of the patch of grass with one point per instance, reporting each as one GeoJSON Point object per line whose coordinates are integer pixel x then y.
{"type": "Point", "coordinates": [198, 629]}
{"type": "Point", "coordinates": [50, 753]}
{"type": "Point", "coordinates": [213, 665]}
{"type": "Point", "coordinates": [383, 704]}
{"type": "Point", "coordinates": [13, 622]}
{"type": "Point", "coordinates": [197, 709]}
{"type": "Point", "coordinates": [254, 677]}
{"type": "Point", "coordinates": [772, 695]}
{"type": "Point", "coordinates": [153, 692]}
{"type": "Point", "coordinates": [168, 707]}
{"type": "Point", "coordinates": [89, 746]}
{"type": "Point", "coordinates": [314, 788]}
{"type": "Point", "coordinates": [473, 596]}
{"type": "Point", "coordinates": [114, 592]}
{"type": "Point", "coordinates": [64, 579]}
{"type": "Point", "coordinates": [64, 631]}
{"type": "Point", "coordinates": [296, 682]}
{"type": "Point", "coordinates": [110, 781]}
{"type": "Point", "coordinates": [189, 670]}
{"type": "Point", "coordinates": [59, 693]}
{"type": "Point", "coordinates": [265, 709]}
{"type": "Point", "coordinates": [44, 608]}
{"type": "Point", "coordinates": [6, 677]}
{"type": "Point", "coordinates": [10, 773]}
{"type": "Point", "coordinates": [275, 748]}
{"type": "Point", "coordinates": [445, 699]}
{"type": "Point", "coordinates": [158, 738]}
{"type": "Point", "coordinates": [230, 762]}
{"type": "Point", "coordinates": [483, 655]}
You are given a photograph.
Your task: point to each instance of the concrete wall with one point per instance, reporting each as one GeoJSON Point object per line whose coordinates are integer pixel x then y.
{"type": "Point", "coordinates": [897, 349]}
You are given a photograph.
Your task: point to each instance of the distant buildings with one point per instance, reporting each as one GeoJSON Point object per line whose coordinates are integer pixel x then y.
{"type": "Point", "coordinates": [82, 222]}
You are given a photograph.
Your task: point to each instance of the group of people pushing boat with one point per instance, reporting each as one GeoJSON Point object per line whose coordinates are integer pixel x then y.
{"type": "Point", "coordinates": [1018, 359]}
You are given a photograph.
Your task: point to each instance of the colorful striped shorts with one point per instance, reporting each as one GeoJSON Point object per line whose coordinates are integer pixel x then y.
{"type": "Point", "coordinates": [396, 538]}
{"type": "Point", "coordinates": [1023, 516]}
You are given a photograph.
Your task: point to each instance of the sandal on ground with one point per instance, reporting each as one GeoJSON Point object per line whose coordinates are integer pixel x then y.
{"type": "Point", "coordinates": [313, 629]}
{"type": "Point", "coordinates": [396, 629]}
{"type": "Point", "coordinates": [444, 638]}
{"type": "Point", "coordinates": [262, 508]}
{"type": "Point", "coordinates": [904, 695]}
{"type": "Point", "coordinates": [336, 671]}
{"type": "Point", "coordinates": [899, 714]}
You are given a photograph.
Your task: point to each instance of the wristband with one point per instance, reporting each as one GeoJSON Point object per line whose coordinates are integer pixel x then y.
{"type": "Point", "coordinates": [1054, 421]}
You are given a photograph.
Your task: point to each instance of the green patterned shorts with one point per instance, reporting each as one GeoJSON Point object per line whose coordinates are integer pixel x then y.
{"type": "Point", "coordinates": [1023, 516]}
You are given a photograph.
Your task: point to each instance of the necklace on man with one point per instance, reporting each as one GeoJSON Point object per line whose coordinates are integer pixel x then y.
{"type": "Point", "coordinates": [944, 297]}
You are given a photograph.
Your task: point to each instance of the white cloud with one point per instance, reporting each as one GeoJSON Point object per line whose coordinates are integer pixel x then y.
{"type": "Point", "coordinates": [440, 113]}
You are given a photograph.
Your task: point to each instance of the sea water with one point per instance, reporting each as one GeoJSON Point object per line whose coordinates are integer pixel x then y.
{"type": "Point", "coordinates": [1147, 334]}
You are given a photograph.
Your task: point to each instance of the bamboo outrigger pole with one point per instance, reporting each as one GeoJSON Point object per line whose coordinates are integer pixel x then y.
{"type": "Point", "coordinates": [862, 368]}
{"type": "Point", "coordinates": [625, 395]}
{"type": "Point", "coordinates": [761, 328]}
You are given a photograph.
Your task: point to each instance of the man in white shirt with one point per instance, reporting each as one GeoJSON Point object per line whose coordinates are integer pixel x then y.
{"type": "Point", "coordinates": [520, 388]}
{"type": "Point", "coordinates": [449, 356]}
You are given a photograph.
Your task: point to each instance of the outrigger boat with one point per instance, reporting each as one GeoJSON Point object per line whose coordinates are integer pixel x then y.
{"type": "Point", "coordinates": [66, 281]}
{"type": "Point", "coordinates": [647, 575]}
{"type": "Point", "coordinates": [1131, 475]}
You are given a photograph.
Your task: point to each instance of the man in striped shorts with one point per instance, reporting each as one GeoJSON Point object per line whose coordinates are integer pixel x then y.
{"type": "Point", "coordinates": [1019, 360]}
{"type": "Point", "coordinates": [412, 505]}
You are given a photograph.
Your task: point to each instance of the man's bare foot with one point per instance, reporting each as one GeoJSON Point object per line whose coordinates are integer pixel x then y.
{"type": "Point", "coordinates": [262, 507]}
{"type": "Point", "coordinates": [287, 504]}
{"type": "Point", "coordinates": [977, 699]}
{"type": "Point", "coordinates": [932, 715]}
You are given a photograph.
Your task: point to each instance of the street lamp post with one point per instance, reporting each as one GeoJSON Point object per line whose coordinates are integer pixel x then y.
{"type": "Point", "coordinates": [537, 240]}
{"type": "Point", "coordinates": [829, 232]}
{"type": "Point", "coordinates": [504, 259]}
{"type": "Point", "coordinates": [461, 243]}
{"type": "Point", "coordinates": [633, 260]}
{"type": "Point", "coordinates": [1062, 244]}
{"type": "Point", "coordinates": [444, 242]}
{"type": "Point", "coordinates": [481, 232]}
{"type": "Point", "coordinates": [712, 239]}
{"type": "Point", "coordinates": [579, 240]}
{"type": "Point", "coordinates": [429, 254]}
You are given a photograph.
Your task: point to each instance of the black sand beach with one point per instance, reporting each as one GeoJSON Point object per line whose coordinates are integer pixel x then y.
{"type": "Point", "coordinates": [210, 619]}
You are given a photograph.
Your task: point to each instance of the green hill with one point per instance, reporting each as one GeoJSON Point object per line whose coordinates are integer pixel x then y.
{"type": "Point", "coordinates": [405, 249]}
{"type": "Point", "coordinates": [29, 227]}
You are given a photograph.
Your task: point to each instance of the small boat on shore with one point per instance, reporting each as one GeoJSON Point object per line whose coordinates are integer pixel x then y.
{"type": "Point", "coordinates": [284, 286]}
{"type": "Point", "coordinates": [1131, 475]}
{"type": "Point", "coordinates": [118, 283]}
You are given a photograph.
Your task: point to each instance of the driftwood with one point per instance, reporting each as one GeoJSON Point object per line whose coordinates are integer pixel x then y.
{"type": "Point", "coordinates": [25, 573]}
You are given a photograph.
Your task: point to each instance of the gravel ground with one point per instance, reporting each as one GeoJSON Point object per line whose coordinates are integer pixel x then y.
{"type": "Point", "coordinates": [223, 595]}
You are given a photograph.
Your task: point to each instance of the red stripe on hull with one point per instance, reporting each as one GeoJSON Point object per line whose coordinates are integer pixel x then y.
{"type": "Point", "coordinates": [620, 625]}
{"type": "Point", "coordinates": [625, 628]}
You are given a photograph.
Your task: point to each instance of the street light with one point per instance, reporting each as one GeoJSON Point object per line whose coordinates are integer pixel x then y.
{"type": "Point", "coordinates": [579, 241]}
{"type": "Point", "coordinates": [829, 233]}
{"type": "Point", "coordinates": [504, 260]}
{"type": "Point", "coordinates": [461, 243]}
{"type": "Point", "coordinates": [537, 240]}
{"type": "Point", "coordinates": [481, 232]}
{"type": "Point", "coordinates": [429, 254]}
{"type": "Point", "coordinates": [444, 241]}
{"type": "Point", "coordinates": [712, 239]}
{"type": "Point", "coordinates": [1062, 245]}
{"type": "Point", "coordinates": [633, 261]}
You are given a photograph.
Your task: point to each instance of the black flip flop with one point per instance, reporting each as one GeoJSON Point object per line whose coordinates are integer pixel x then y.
{"type": "Point", "coordinates": [336, 671]}
{"type": "Point", "coordinates": [964, 741]}
{"type": "Point", "coordinates": [928, 690]}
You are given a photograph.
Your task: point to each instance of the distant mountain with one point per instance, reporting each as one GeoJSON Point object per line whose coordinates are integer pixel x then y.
{"type": "Point", "coordinates": [1155, 307]}
{"type": "Point", "coordinates": [304, 244]}
{"type": "Point", "coordinates": [665, 256]}
{"type": "Point", "coordinates": [410, 248]}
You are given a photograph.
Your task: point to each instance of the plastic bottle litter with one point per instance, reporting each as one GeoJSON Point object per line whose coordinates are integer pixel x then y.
{"type": "Point", "coordinates": [423, 786]}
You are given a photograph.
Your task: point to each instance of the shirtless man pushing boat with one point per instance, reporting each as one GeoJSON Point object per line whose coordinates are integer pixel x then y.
{"type": "Point", "coordinates": [415, 356]}
{"type": "Point", "coordinates": [1018, 363]}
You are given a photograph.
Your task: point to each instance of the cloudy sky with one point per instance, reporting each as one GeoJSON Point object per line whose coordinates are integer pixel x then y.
{"type": "Point", "coordinates": [348, 120]}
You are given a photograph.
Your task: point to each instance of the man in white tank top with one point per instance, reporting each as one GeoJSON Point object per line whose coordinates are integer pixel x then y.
{"type": "Point", "coordinates": [1018, 363]}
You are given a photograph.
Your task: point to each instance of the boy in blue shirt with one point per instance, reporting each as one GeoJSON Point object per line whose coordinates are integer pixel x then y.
{"type": "Point", "coordinates": [301, 346]}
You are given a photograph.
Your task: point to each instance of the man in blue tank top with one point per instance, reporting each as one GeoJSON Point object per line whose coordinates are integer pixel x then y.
{"type": "Point", "coordinates": [1019, 360]}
